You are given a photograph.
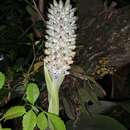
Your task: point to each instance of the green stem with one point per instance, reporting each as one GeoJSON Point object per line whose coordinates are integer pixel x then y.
{"type": "Point", "coordinates": [53, 94]}
{"type": "Point", "coordinates": [53, 97]}
{"type": "Point", "coordinates": [54, 100]}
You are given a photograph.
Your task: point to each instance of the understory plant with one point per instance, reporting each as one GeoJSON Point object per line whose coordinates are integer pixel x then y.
{"type": "Point", "coordinates": [60, 45]}
{"type": "Point", "coordinates": [32, 115]}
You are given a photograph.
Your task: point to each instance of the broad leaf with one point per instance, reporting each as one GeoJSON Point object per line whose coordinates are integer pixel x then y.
{"type": "Point", "coordinates": [58, 124]}
{"type": "Point", "coordinates": [85, 95]}
{"type": "Point", "coordinates": [29, 120]}
{"type": "Point", "coordinates": [42, 122]}
{"type": "Point", "coordinates": [2, 80]}
{"type": "Point", "coordinates": [101, 107]}
{"type": "Point", "coordinates": [97, 122]}
{"type": "Point", "coordinates": [32, 92]}
{"type": "Point", "coordinates": [14, 112]}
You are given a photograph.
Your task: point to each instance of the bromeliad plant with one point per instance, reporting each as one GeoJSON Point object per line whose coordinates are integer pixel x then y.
{"type": "Point", "coordinates": [60, 45]}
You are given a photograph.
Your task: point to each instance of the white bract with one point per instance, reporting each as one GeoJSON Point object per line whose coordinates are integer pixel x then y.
{"type": "Point", "coordinates": [60, 38]}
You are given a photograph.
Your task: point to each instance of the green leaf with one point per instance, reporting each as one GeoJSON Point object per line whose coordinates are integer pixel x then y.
{"type": "Point", "coordinates": [32, 92]}
{"type": "Point", "coordinates": [85, 95]}
{"type": "Point", "coordinates": [56, 121]}
{"type": "Point", "coordinates": [2, 80]}
{"type": "Point", "coordinates": [14, 112]}
{"type": "Point", "coordinates": [50, 82]}
{"type": "Point", "coordinates": [97, 122]}
{"type": "Point", "coordinates": [48, 78]}
{"type": "Point", "coordinates": [29, 120]}
{"type": "Point", "coordinates": [101, 107]}
{"type": "Point", "coordinates": [42, 122]}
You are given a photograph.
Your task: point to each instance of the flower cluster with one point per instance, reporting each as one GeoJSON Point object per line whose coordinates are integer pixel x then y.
{"type": "Point", "coordinates": [60, 38]}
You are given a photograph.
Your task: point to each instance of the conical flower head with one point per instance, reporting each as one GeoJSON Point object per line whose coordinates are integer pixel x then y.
{"type": "Point", "coordinates": [60, 38]}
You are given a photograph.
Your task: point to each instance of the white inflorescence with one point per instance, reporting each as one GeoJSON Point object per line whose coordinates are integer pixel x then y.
{"type": "Point", "coordinates": [60, 38]}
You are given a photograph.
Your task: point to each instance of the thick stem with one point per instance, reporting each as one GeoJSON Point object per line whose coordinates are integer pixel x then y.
{"type": "Point", "coordinates": [54, 100]}
{"type": "Point", "coordinates": [53, 97]}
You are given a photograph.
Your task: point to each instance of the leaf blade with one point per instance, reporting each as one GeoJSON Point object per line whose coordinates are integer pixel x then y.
{"type": "Point", "coordinates": [2, 80]}
{"type": "Point", "coordinates": [14, 112]}
{"type": "Point", "coordinates": [32, 92]}
{"type": "Point", "coordinates": [42, 122]}
{"type": "Point", "coordinates": [96, 122]}
{"type": "Point", "coordinates": [29, 120]}
{"type": "Point", "coordinates": [47, 78]}
{"type": "Point", "coordinates": [56, 121]}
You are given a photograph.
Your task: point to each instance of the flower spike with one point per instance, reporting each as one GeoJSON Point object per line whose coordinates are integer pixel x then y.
{"type": "Point", "coordinates": [60, 38]}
